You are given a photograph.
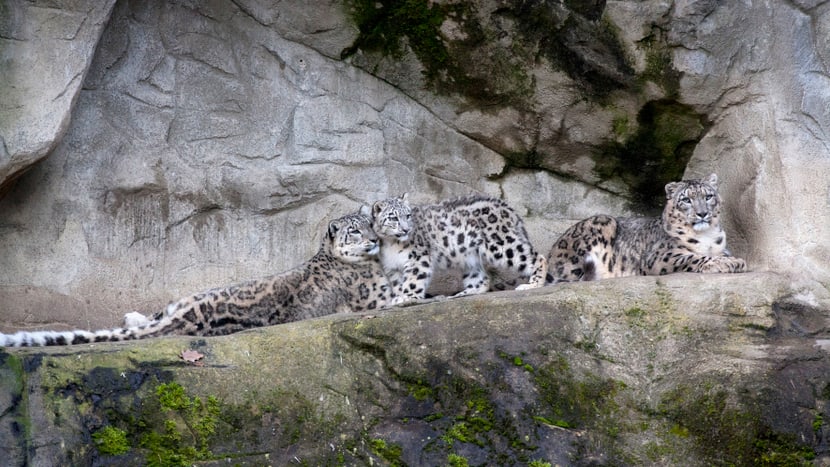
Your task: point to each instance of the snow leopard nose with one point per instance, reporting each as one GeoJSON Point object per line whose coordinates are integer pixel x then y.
{"type": "Point", "coordinates": [703, 215]}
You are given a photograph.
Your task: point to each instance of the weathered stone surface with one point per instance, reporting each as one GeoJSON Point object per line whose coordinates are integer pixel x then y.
{"type": "Point", "coordinates": [676, 370]}
{"type": "Point", "coordinates": [212, 141]}
{"type": "Point", "coordinates": [208, 148]}
{"type": "Point", "coordinates": [768, 97]}
{"type": "Point", "coordinates": [45, 51]}
{"type": "Point", "coordinates": [755, 84]}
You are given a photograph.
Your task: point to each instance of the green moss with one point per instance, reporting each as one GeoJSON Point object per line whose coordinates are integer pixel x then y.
{"type": "Point", "coordinates": [538, 463]}
{"type": "Point", "coordinates": [389, 452]}
{"type": "Point", "coordinates": [172, 396]}
{"type": "Point", "coordinates": [656, 153]}
{"type": "Point", "coordinates": [818, 422]}
{"type": "Point", "coordinates": [111, 441]}
{"type": "Point", "coordinates": [169, 427]}
{"type": "Point", "coordinates": [560, 423]}
{"type": "Point", "coordinates": [420, 391]}
{"type": "Point", "coordinates": [454, 460]}
{"type": "Point", "coordinates": [433, 417]}
{"type": "Point", "coordinates": [180, 431]}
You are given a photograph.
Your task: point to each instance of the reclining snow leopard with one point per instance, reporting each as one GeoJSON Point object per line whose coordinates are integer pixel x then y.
{"type": "Point", "coordinates": [345, 275]}
{"type": "Point", "coordinates": [688, 237]}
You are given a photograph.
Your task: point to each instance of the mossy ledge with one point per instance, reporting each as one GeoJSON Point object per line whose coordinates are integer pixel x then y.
{"type": "Point", "coordinates": [628, 371]}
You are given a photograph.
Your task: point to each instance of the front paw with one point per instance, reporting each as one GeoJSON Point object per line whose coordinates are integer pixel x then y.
{"type": "Point", "coordinates": [400, 300]}
{"type": "Point", "coordinates": [724, 264]}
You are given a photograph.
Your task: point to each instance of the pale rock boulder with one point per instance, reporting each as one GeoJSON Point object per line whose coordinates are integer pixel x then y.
{"type": "Point", "coordinates": [768, 96]}
{"type": "Point", "coordinates": [45, 51]}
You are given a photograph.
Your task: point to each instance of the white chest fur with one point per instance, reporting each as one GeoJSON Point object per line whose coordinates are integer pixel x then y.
{"type": "Point", "coordinates": [394, 256]}
{"type": "Point", "coordinates": [710, 242]}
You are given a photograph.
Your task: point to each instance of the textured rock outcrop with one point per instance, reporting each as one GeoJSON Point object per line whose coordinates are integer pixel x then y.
{"type": "Point", "coordinates": [206, 148]}
{"type": "Point", "coordinates": [679, 370]}
{"type": "Point", "coordinates": [769, 100]}
{"type": "Point", "coordinates": [45, 51]}
{"type": "Point", "coordinates": [626, 95]}
{"type": "Point", "coordinates": [211, 141]}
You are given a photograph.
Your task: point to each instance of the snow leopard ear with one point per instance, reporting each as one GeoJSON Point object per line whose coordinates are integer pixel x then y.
{"type": "Point", "coordinates": [333, 228]}
{"type": "Point", "coordinates": [365, 210]}
{"type": "Point", "coordinates": [405, 198]}
{"type": "Point", "coordinates": [377, 208]}
{"type": "Point", "coordinates": [713, 180]}
{"type": "Point", "coordinates": [671, 189]}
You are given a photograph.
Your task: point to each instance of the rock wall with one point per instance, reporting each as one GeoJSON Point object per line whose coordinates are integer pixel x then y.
{"type": "Point", "coordinates": [210, 142]}
{"type": "Point", "coordinates": [45, 51]}
{"type": "Point", "coordinates": [769, 100]}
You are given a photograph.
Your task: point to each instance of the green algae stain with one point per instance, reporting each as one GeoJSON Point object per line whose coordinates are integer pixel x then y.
{"type": "Point", "coordinates": [386, 24]}
{"type": "Point", "coordinates": [569, 401]}
{"type": "Point", "coordinates": [656, 153]}
{"type": "Point", "coordinates": [729, 432]}
{"type": "Point", "coordinates": [13, 382]}
{"type": "Point", "coordinates": [451, 65]}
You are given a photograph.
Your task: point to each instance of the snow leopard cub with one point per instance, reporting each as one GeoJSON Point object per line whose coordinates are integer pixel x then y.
{"type": "Point", "coordinates": [476, 234]}
{"type": "Point", "coordinates": [688, 237]}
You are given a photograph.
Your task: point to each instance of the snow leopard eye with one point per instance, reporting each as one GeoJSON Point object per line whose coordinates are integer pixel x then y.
{"type": "Point", "coordinates": [685, 200]}
{"type": "Point", "coordinates": [709, 196]}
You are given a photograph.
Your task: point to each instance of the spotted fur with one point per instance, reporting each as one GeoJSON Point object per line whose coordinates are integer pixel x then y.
{"type": "Point", "coordinates": [474, 234]}
{"type": "Point", "coordinates": [688, 237]}
{"type": "Point", "coordinates": [344, 276]}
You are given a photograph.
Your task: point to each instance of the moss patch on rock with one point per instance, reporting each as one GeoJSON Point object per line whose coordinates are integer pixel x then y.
{"type": "Point", "coordinates": [656, 153]}
{"type": "Point", "coordinates": [459, 55]}
{"type": "Point", "coordinates": [626, 372]}
{"type": "Point", "coordinates": [730, 430]}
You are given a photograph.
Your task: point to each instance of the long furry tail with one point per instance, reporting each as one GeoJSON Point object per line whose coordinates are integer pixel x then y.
{"type": "Point", "coordinates": [47, 338]}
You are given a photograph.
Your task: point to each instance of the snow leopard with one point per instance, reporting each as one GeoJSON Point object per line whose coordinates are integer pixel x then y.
{"type": "Point", "coordinates": [476, 234]}
{"type": "Point", "coordinates": [688, 237]}
{"type": "Point", "coordinates": [345, 275]}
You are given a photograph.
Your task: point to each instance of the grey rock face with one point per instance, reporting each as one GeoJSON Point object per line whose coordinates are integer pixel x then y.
{"type": "Point", "coordinates": [45, 51]}
{"type": "Point", "coordinates": [211, 142]}
{"type": "Point", "coordinates": [206, 148]}
{"type": "Point", "coordinates": [768, 97]}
